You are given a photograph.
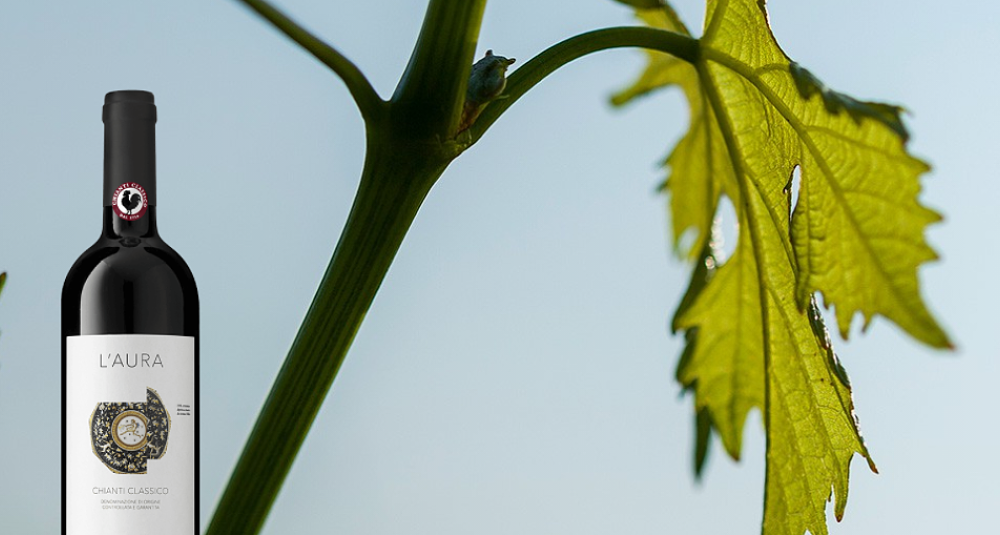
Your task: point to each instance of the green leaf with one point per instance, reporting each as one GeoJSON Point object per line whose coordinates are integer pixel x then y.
{"type": "Point", "coordinates": [700, 170]}
{"type": "Point", "coordinates": [3, 280]}
{"type": "Point", "coordinates": [812, 431]}
{"type": "Point", "coordinates": [643, 4]}
{"type": "Point", "coordinates": [858, 228]}
{"type": "Point", "coordinates": [724, 363]}
{"type": "Point", "coordinates": [755, 337]}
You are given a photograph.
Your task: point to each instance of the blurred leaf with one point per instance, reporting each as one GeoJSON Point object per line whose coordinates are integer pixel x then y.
{"type": "Point", "coordinates": [703, 434]}
{"type": "Point", "coordinates": [3, 280]}
{"type": "Point", "coordinates": [643, 4]}
{"type": "Point", "coordinates": [755, 338]}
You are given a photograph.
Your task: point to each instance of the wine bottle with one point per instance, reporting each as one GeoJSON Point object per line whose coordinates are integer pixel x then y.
{"type": "Point", "coordinates": [129, 354]}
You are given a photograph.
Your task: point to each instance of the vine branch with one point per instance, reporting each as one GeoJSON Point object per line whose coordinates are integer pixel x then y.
{"type": "Point", "coordinates": [368, 101]}
{"type": "Point", "coordinates": [394, 182]}
{"type": "Point", "coordinates": [431, 91]}
{"type": "Point", "coordinates": [549, 60]}
{"type": "Point", "coordinates": [399, 171]}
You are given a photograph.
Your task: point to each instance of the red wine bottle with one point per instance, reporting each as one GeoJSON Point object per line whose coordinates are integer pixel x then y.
{"type": "Point", "coordinates": [130, 354]}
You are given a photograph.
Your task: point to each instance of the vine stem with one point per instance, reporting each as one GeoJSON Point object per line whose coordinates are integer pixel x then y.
{"type": "Point", "coordinates": [411, 141]}
{"type": "Point", "coordinates": [431, 91]}
{"type": "Point", "coordinates": [391, 191]}
{"type": "Point", "coordinates": [369, 103]}
{"type": "Point", "coordinates": [548, 61]}
{"type": "Point", "coordinates": [406, 154]}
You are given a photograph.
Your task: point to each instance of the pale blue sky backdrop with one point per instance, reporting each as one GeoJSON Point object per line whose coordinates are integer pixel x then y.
{"type": "Point", "coordinates": [515, 374]}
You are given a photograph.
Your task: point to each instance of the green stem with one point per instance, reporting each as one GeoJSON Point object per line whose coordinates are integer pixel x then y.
{"type": "Point", "coordinates": [547, 62]}
{"type": "Point", "coordinates": [432, 89]}
{"type": "Point", "coordinates": [408, 149]}
{"type": "Point", "coordinates": [394, 183]}
{"type": "Point", "coordinates": [361, 89]}
{"type": "Point", "coordinates": [409, 146]}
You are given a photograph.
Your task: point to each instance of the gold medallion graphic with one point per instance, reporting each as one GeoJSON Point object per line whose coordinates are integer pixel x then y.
{"type": "Point", "coordinates": [129, 430]}
{"type": "Point", "coordinates": [125, 435]}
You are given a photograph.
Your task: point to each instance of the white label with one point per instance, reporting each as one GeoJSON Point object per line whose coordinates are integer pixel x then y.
{"type": "Point", "coordinates": [130, 434]}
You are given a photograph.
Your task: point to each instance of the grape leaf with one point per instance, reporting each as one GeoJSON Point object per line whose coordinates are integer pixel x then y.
{"type": "Point", "coordinates": [812, 431]}
{"type": "Point", "coordinates": [701, 171]}
{"type": "Point", "coordinates": [724, 361]}
{"type": "Point", "coordinates": [755, 336]}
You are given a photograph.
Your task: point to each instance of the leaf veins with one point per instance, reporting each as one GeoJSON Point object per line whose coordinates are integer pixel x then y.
{"type": "Point", "coordinates": [755, 337]}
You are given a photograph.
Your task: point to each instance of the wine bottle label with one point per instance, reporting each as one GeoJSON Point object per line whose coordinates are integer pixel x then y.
{"type": "Point", "coordinates": [130, 434]}
{"type": "Point", "coordinates": [129, 201]}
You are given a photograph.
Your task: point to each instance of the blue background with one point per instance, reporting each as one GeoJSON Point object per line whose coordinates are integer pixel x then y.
{"type": "Point", "coordinates": [515, 373]}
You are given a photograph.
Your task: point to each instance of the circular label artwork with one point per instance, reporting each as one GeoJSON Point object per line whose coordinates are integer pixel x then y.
{"type": "Point", "coordinates": [126, 435]}
{"type": "Point", "coordinates": [129, 202]}
{"type": "Point", "coordinates": [129, 430]}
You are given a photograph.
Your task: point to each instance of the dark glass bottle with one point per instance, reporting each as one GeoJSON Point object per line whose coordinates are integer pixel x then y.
{"type": "Point", "coordinates": [130, 412]}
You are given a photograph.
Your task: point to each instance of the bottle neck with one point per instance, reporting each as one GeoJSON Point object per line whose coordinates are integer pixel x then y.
{"type": "Point", "coordinates": [116, 228]}
{"type": "Point", "coordinates": [129, 164]}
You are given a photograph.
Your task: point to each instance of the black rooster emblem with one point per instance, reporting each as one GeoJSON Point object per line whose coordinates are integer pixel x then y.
{"type": "Point", "coordinates": [130, 203]}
